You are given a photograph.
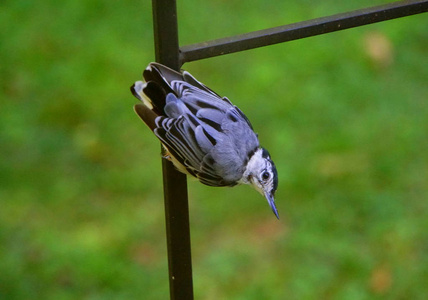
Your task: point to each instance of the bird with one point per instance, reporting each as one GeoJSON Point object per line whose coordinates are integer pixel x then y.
{"type": "Point", "coordinates": [203, 134]}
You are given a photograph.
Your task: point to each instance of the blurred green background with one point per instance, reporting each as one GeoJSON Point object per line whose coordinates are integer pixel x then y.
{"type": "Point", "coordinates": [344, 115]}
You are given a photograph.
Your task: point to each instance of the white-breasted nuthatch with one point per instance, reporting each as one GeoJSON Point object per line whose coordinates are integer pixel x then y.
{"type": "Point", "coordinates": [204, 135]}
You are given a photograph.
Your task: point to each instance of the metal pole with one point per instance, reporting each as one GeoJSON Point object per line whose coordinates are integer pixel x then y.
{"type": "Point", "coordinates": [302, 29]}
{"type": "Point", "coordinates": [175, 184]}
{"type": "Point", "coordinates": [168, 53]}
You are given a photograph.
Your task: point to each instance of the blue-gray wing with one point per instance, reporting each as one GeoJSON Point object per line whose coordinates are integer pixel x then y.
{"type": "Point", "coordinates": [204, 133]}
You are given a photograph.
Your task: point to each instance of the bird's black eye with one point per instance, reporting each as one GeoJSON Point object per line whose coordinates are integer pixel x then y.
{"type": "Point", "coordinates": [265, 175]}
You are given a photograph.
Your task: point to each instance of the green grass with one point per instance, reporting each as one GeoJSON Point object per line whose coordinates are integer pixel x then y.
{"type": "Point", "coordinates": [81, 209]}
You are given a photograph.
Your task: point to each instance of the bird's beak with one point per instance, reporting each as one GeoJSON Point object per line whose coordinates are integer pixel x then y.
{"type": "Point", "coordinates": [271, 201]}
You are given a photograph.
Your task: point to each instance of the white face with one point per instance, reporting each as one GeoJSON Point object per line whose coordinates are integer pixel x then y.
{"type": "Point", "coordinates": [262, 181]}
{"type": "Point", "coordinates": [263, 177]}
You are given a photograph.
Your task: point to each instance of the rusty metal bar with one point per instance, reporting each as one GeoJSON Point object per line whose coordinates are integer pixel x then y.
{"type": "Point", "coordinates": [301, 30]}
{"type": "Point", "coordinates": [175, 184]}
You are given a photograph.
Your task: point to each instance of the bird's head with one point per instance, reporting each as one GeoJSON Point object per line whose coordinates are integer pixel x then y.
{"type": "Point", "coordinates": [262, 175]}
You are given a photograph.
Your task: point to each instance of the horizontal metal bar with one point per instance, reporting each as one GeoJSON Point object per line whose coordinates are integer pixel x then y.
{"type": "Point", "coordinates": [302, 29]}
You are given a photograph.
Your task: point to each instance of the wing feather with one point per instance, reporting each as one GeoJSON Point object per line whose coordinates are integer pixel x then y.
{"type": "Point", "coordinates": [201, 130]}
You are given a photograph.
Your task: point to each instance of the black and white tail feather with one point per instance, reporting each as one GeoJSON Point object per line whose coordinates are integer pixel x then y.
{"type": "Point", "coordinates": [203, 134]}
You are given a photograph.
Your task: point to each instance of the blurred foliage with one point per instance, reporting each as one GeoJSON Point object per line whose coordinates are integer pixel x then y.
{"type": "Point", "coordinates": [344, 115]}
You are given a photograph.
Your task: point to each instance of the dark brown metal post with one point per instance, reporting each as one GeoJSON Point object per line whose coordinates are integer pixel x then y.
{"type": "Point", "coordinates": [169, 53]}
{"type": "Point", "coordinates": [175, 184]}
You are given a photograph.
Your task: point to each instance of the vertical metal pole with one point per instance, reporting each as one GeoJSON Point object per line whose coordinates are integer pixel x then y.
{"type": "Point", "coordinates": [175, 184]}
